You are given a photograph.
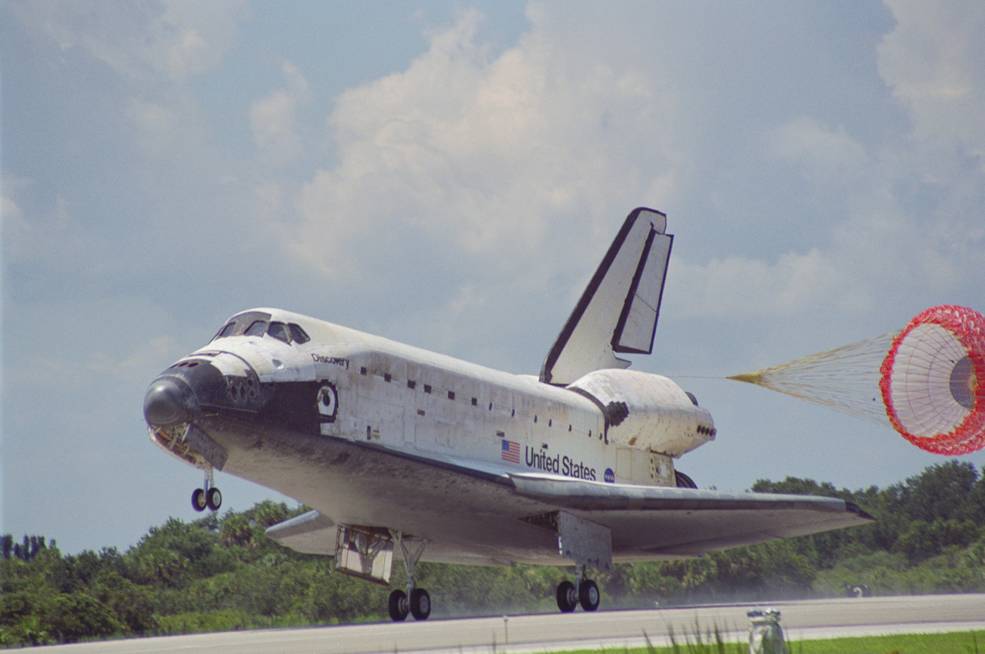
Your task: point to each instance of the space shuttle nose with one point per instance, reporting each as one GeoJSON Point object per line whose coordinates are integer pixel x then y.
{"type": "Point", "coordinates": [166, 402]}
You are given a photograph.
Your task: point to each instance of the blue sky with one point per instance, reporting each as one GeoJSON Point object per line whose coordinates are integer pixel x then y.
{"type": "Point", "coordinates": [448, 174]}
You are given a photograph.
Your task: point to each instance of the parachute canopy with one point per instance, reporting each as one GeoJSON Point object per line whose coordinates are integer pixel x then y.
{"type": "Point", "coordinates": [927, 381]}
{"type": "Point", "coordinates": [930, 380]}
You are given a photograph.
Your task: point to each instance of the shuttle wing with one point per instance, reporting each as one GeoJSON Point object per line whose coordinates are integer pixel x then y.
{"type": "Point", "coordinates": [310, 533]}
{"type": "Point", "coordinates": [648, 520]}
{"type": "Point", "coordinates": [618, 311]}
{"type": "Point", "coordinates": [645, 522]}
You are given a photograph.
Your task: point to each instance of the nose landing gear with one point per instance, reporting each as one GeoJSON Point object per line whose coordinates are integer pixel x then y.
{"type": "Point", "coordinates": [207, 497]}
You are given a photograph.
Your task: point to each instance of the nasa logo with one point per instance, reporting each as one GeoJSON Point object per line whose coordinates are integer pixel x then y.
{"type": "Point", "coordinates": [610, 477]}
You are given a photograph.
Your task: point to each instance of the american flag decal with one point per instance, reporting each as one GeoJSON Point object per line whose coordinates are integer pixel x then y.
{"type": "Point", "coordinates": [510, 451]}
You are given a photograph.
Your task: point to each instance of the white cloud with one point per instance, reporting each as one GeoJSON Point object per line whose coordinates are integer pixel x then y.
{"type": "Point", "coordinates": [934, 60]}
{"type": "Point", "coordinates": [159, 126]}
{"type": "Point", "coordinates": [132, 366]}
{"type": "Point", "coordinates": [13, 227]}
{"type": "Point", "coordinates": [744, 288]}
{"type": "Point", "coordinates": [9, 209]}
{"type": "Point", "coordinates": [49, 236]}
{"type": "Point", "coordinates": [831, 154]}
{"type": "Point", "coordinates": [528, 156]}
{"type": "Point", "coordinates": [176, 38]}
{"type": "Point", "coordinates": [905, 214]}
{"type": "Point", "coordinates": [273, 118]}
{"type": "Point", "coordinates": [523, 162]}
{"type": "Point", "coordinates": [878, 243]}
{"type": "Point", "coordinates": [154, 48]}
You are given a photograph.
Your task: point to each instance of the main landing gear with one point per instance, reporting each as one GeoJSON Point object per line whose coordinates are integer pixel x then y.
{"type": "Point", "coordinates": [415, 601]}
{"type": "Point", "coordinates": [583, 591]}
{"type": "Point", "coordinates": [207, 497]}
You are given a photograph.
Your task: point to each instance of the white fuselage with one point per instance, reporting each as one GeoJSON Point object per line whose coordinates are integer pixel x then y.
{"type": "Point", "coordinates": [408, 399]}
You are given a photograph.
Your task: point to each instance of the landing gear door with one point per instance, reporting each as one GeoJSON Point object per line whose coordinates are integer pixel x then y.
{"type": "Point", "coordinates": [364, 552]}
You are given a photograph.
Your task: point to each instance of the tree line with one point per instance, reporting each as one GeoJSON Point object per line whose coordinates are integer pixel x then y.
{"type": "Point", "coordinates": [221, 572]}
{"type": "Point", "coordinates": [26, 550]}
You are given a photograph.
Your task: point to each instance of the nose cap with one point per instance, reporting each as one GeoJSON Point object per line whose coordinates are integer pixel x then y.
{"type": "Point", "coordinates": [165, 404]}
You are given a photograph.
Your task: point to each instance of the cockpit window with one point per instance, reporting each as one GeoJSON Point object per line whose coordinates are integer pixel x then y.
{"type": "Point", "coordinates": [227, 330]}
{"type": "Point", "coordinates": [279, 331]}
{"type": "Point", "coordinates": [258, 323]}
{"type": "Point", "coordinates": [242, 323]}
{"type": "Point", "coordinates": [299, 335]}
{"type": "Point", "coordinates": [256, 328]}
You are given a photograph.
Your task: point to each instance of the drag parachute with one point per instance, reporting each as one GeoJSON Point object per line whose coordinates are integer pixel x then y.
{"type": "Point", "coordinates": [923, 380]}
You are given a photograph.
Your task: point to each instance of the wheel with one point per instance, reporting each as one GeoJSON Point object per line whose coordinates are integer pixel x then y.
{"type": "Point", "coordinates": [589, 595]}
{"type": "Point", "coordinates": [420, 604]}
{"type": "Point", "coordinates": [398, 606]}
{"type": "Point", "coordinates": [213, 498]}
{"type": "Point", "coordinates": [567, 597]}
{"type": "Point", "coordinates": [198, 499]}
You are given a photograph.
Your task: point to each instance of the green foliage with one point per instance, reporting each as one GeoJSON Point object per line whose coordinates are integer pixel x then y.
{"type": "Point", "coordinates": [698, 641]}
{"type": "Point", "coordinates": [958, 642]}
{"type": "Point", "coordinates": [222, 620]}
{"type": "Point", "coordinates": [70, 618]}
{"type": "Point", "coordinates": [131, 604]}
{"type": "Point", "coordinates": [943, 506]}
{"type": "Point", "coordinates": [922, 540]}
{"type": "Point", "coordinates": [26, 550]}
{"type": "Point", "coordinates": [222, 572]}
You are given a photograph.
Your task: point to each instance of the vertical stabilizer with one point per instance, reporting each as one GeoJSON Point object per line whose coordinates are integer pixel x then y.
{"type": "Point", "coordinates": [618, 311]}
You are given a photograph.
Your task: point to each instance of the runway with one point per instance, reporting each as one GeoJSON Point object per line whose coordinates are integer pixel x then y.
{"type": "Point", "coordinates": [550, 632]}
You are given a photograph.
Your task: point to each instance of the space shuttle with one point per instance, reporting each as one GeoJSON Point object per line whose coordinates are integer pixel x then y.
{"type": "Point", "coordinates": [405, 453]}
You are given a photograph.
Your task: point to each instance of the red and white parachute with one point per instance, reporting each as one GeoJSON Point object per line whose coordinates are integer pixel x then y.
{"type": "Point", "coordinates": [927, 380]}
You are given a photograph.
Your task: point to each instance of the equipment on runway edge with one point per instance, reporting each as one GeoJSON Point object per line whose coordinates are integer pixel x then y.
{"type": "Point", "coordinates": [923, 381]}
{"type": "Point", "coordinates": [401, 450]}
{"type": "Point", "coordinates": [766, 634]}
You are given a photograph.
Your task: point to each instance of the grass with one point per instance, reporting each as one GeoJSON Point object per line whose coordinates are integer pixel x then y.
{"type": "Point", "coordinates": [957, 642]}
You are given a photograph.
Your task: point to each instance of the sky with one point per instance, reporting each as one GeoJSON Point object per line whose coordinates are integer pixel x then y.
{"type": "Point", "coordinates": [448, 174]}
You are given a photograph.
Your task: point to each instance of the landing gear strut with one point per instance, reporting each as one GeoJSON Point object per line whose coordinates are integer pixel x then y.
{"type": "Point", "coordinates": [208, 496]}
{"type": "Point", "coordinates": [583, 591]}
{"type": "Point", "coordinates": [415, 601]}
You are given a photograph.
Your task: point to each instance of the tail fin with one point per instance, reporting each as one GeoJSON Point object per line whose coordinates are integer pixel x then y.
{"type": "Point", "coordinates": [618, 311]}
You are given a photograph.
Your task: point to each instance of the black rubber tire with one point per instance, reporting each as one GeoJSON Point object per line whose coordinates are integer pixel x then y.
{"type": "Point", "coordinates": [398, 606]}
{"type": "Point", "coordinates": [198, 500]}
{"type": "Point", "coordinates": [213, 498]}
{"type": "Point", "coordinates": [567, 598]}
{"type": "Point", "coordinates": [589, 595]}
{"type": "Point", "coordinates": [420, 604]}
